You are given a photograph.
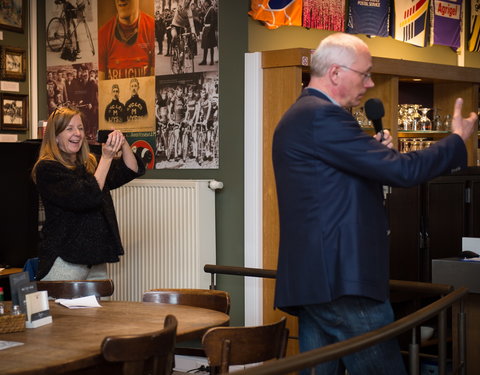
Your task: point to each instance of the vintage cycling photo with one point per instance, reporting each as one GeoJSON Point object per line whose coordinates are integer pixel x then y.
{"type": "Point", "coordinates": [71, 31]}
{"type": "Point", "coordinates": [149, 68]}
{"type": "Point", "coordinates": [187, 122]}
{"type": "Point", "coordinates": [186, 37]}
{"type": "Point", "coordinates": [14, 112]}
{"type": "Point", "coordinates": [75, 85]}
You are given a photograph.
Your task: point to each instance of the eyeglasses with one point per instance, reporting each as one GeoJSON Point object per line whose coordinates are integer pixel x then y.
{"type": "Point", "coordinates": [366, 76]}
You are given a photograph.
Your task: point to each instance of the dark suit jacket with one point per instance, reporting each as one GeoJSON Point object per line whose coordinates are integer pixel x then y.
{"type": "Point", "coordinates": [333, 226]}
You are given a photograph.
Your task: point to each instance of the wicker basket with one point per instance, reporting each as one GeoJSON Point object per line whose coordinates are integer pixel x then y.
{"type": "Point", "coordinates": [12, 323]}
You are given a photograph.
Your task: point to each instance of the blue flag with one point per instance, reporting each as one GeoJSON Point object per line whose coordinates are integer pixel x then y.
{"type": "Point", "coordinates": [370, 17]}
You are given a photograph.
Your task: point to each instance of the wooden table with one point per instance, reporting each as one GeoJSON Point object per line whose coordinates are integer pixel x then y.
{"type": "Point", "coordinates": [9, 271]}
{"type": "Point", "coordinates": [73, 340]}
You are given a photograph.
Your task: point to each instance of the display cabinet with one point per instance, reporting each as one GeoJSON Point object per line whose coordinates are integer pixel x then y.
{"type": "Point", "coordinates": [447, 83]}
{"type": "Point", "coordinates": [428, 222]}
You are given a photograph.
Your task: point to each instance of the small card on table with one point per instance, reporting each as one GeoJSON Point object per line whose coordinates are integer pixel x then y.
{"type": "Point", "coordinates": [38, 311]}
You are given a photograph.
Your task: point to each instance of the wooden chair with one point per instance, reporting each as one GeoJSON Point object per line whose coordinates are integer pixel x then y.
{"type": "Point", "coordinates": [227, 346]}
{"type": "Point", "coordinates": [217, 300]}
{"type": "Point", "coordinates": [77, 288]}
{"type": "Point", "coordinates": [143, 354]}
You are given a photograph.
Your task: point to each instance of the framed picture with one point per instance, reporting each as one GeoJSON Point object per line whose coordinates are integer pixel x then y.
{"type": "Point", "coordinates": [13, 64]}
{"type": "Point", "coordinates": [14, 112]}
{"type": "Point", "coordinates": [12, 15]}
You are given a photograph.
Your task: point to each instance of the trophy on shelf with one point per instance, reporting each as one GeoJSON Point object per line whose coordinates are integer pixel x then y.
{"type": "Point", "coordinates": [402, 120]}
{"type": "Point", "coordinates": [361, 118]}
{"type": "Point", "coordinates": [437, 123]}
{"type": "Point", "coordinates": [424, 123]}
{"type": "Point", "coordinates": [447, 123]}
{"type": "Point", "coordinates": [415, 116]}
{"type": "Point", "coordinates": [409, 117]}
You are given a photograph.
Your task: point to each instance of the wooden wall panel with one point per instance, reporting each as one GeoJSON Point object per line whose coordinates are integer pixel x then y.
{"type": "Point", "coordinates": [282, 86]}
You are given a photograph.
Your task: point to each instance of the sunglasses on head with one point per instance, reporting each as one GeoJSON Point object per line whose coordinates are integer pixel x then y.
{"type": "Point", "coordinates": [61, 108]}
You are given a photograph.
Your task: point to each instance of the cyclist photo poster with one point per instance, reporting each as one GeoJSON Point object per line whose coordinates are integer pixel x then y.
{"type": "Point", "coordinates": [186, 69]}
{"type": "Point", "coordinates": [128, 104]}
{"type": "Point", "coordinates": [72, 31]}
{"type": "Point", "coordinates": [72, 66]}
{"type": "Point", "coordinates": [75, 85]}
{"type": "Point", "coordinates": [146, 67]}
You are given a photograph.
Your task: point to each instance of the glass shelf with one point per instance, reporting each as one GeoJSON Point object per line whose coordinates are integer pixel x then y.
{"type": "Point", "coordinates": [423, 134]}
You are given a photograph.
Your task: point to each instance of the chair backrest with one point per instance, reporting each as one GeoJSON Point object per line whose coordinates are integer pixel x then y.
{"type": "Point", "coordinates": [77, 288]}
{"type": "Point", "coordinates": [205, 298]}
{"type": "Point", "coordinates": [227, 346]}
{"type": "Point", "coordinates": [143, 354]}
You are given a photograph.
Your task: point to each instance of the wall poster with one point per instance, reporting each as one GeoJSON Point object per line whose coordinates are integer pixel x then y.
{"type": "Point", "coordinates": [72, 67]}
{"type": "Point", "coordinates": [12, 15]}
{"type": "Point", "coordinates": [186, 69]}
{"type": "Point", "coordinates": [148, 68]}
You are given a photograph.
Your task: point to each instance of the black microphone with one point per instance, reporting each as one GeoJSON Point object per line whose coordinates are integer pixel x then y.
{"type": "Point", "coordinates": [374, 111]}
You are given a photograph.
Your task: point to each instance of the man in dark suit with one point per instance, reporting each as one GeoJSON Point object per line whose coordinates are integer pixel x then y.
{"type": "Point", "coordinates": [333, 265]}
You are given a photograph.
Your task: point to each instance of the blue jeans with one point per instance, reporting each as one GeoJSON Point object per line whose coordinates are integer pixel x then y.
{"type": "Point", "coordinates": [346, 317]}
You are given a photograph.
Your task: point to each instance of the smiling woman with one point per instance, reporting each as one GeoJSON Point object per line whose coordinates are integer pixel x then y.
{"type": "Point", "coordinates": [70, 140]}
{"type": "Point", "coordinates": [80, 234]}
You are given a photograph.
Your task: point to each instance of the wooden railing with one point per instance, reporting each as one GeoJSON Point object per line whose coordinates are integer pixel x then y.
{"type": "Point", "coordinates": [448, 297]}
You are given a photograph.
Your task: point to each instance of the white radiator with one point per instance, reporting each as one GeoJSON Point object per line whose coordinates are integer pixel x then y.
{"type": "Point", "coordinates": [168, 233]}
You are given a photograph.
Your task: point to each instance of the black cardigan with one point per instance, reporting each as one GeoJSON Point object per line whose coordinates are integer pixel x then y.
{"type": "Point", "coordinates": [80, 222]}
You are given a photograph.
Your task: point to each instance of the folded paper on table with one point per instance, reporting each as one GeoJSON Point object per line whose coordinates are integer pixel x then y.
{"type": "Point", "coordinates": [79, 303]}
{"type": "Point", "coordinates": [9, 344]}
{"type": "Point", "coordinates": [37, 309]}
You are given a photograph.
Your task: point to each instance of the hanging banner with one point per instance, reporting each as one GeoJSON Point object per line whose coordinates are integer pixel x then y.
{"type": "Point", "coordinates": [410, 21]}
{"type": "Point", "coordinates": [369, 17]}
{"type": "Point", "coordinates": [446, 16]}
{"type": "Point", "coordinates": [276, 13]}
{"type": "Point", "coordinates": [324, 14]}
{"type": "Point", "coordinates": [474, 39]}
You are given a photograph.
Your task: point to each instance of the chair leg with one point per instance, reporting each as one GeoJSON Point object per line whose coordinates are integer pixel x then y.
{"type": "Point", "coordinates": [225, 357]}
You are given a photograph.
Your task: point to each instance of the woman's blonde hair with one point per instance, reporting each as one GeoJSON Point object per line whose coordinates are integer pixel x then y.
{"type": "Point", "coordinates": [57, 122]}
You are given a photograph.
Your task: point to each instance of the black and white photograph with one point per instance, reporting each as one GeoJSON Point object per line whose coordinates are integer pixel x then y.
{"type": "Point", "coordinates": [186, 36]}
{"type": "Point", "coordinates": [14, 112]}
{"type": "Point", "coordinates": [127, 104]}
{"type": "Point", "coordinates": [13, 63]}
{"type": "Point", "coordinates": [72, 31]}
{"type": "Point", "coordinates": [187, 121]}
{"type": "Point", "coordinates": [75, 85]}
